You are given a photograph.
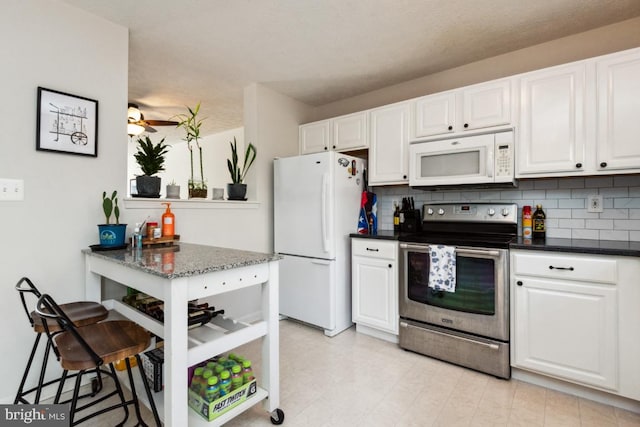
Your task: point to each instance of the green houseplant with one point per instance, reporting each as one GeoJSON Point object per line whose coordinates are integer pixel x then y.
{"type": "Point", "coordinates": [237, 190]}
{"type": "Point", "coordinates": [150, 158]}
{"type": "Point", "coordinates": [111, 235]}
{"type": "Point", "coordinates": [191, 124]}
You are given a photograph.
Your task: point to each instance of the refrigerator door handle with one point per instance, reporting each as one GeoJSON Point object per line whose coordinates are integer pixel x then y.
{"type": "Point", "coordinates": [320, 262]}
{"type": "Point", "coordinates": [325, 237]}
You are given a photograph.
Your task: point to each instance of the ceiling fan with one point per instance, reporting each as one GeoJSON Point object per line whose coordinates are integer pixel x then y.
{"type": "Point", "coordinates": [136, 123]}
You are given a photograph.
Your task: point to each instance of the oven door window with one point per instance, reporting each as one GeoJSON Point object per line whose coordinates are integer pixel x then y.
{"type": "Point", "coordinates": [475, 284]}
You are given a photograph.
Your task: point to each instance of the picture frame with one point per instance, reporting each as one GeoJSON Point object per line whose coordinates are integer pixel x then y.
{"type": "Point", "coordinates": [66, 123]}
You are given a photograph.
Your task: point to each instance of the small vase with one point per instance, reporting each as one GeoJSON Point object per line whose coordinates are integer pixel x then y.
{"type": "Point", "coordinates": [173, 191]}
{"type": "Point", "coordinates": [236, 191]}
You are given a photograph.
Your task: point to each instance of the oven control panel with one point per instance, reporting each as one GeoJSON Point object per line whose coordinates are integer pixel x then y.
{"type": "Point", "coordinates": [471, 212]}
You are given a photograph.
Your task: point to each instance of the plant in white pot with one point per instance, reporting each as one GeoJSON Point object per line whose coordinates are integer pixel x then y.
{"type": "Point", "coordinates": [191, 124]}
{"type": "Point", "coordinates": [237, 190]}
{"type": "Point", "coordinates": [111, 235]}
{"type": "Point", "coordinates": [150, 158]}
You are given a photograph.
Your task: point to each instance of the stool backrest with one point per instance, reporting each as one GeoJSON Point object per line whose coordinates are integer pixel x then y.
{"type": "Point", "coordinates": [47, 308]}
{"type": "Point", "coordinates": [26, 286]}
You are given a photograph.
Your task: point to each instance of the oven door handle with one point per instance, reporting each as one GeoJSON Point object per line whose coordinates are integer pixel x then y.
{"type": "Point", "coordinates": [461, 251]}
{"type": "Point", "coordinates": [485, 344]}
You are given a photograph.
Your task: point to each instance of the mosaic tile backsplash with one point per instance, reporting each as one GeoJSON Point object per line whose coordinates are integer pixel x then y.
{"type": "Point", "coordinates": [564, 201]}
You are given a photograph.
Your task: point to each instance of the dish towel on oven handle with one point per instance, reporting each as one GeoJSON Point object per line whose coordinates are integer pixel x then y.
{"type": "Point", "coordinates": [442, 270]}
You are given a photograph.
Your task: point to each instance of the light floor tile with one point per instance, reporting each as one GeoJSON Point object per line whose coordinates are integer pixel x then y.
{"type": "Point", "coordinates": [353, 380]}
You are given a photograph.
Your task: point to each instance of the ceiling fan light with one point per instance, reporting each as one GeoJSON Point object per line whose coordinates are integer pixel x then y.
{"type": "Point", "coordinates": [133, 114]}
{"type": "Point", "coordinates": [134, 129]}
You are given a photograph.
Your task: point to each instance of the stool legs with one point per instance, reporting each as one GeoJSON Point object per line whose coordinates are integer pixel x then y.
{"type": "Point", "coordinates": [38, 389]}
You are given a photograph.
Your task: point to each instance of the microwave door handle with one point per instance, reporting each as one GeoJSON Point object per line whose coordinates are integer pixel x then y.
{"type": "Point", "coordinates": [489, 164]}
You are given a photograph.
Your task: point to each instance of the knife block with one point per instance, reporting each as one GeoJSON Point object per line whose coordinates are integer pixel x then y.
{"type": "Point", "coordinates": [412, 220]}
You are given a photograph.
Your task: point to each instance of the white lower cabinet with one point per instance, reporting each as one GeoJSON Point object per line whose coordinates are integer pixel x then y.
{"type": "Point", "coordinates": [374, 286]}
{"type": "Point", "coordinates": [575, 317]}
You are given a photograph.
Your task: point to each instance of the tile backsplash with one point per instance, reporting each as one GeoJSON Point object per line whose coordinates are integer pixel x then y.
{"type": "Point", "coordinates": [564, 201]}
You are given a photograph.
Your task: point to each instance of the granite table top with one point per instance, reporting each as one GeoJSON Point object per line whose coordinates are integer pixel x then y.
{"type": "Point", "coordinates": [182, 259]}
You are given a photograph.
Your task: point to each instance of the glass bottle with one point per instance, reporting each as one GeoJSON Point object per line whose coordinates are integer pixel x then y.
{"type": "Point", "coordinates": [539, 228]}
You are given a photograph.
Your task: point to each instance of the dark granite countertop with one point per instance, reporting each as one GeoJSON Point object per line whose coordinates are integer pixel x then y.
{"type": "Point", "coordinates": [183, 259]}
{"type": "Point", "coordinates": [381, 235]}
{"type": "Point", "coordinates": [585, 246]}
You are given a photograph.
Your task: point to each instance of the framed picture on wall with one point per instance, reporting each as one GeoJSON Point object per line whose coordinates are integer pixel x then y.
{"type": "Point", "coordinates": [66, 123]}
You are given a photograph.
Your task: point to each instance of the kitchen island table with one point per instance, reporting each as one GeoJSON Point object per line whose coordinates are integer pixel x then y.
{"type": "Point", "coordinates": [177, 275]}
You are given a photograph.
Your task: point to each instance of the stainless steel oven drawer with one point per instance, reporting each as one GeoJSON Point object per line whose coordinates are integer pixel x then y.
{"type": "Point", "coordinates": [481, 354]}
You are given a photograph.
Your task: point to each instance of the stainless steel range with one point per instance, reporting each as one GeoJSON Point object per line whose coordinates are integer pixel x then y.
{"type": "Point", "coordinates": [467, 321]}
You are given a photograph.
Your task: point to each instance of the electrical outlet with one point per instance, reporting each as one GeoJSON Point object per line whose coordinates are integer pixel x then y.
{"type": "Point", "coordinates": [11, 189]}
{"type": "Point", "coordinates": [594, 203]}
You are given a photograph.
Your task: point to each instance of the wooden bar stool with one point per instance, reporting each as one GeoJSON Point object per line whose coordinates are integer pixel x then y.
{"type": "Point", "coordinates": [89, 347]}
{"type": "Point", "coordinates": [81, 313]}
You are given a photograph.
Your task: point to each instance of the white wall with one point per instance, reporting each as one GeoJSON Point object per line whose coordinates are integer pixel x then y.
{"type": "Point", "coordinates": [215, 152]}
{"type": "Point", "coordinates": [50, 44]}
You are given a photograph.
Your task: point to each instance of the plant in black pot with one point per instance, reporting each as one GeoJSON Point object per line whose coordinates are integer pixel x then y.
{"type": "Point", "coordinates": [150, 158]}
{"type": "Point", "coordinates": [111, 235]}
{"type": "Point", "coordinates": [237, 190]}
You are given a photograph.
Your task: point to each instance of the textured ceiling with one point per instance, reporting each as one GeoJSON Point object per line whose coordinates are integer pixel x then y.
{"type": "Point", "coordinates": [320, 51]}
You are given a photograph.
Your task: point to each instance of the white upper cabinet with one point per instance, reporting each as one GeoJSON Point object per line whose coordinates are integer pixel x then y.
{"type": "Point", "coordinates": [618, 143]}
{"type": "Point", "coordinates": [343, 133]}
{"type": "Point", "coordinates": [435, 114]}
{"type": "Point", "coordinates": [350, 132]}
{"type": "Point", "coordinates": [315, 137]}
{"type": "Point", "coordinates": [471, 108]}
{"type": "Point", "coordinates": [580, 118]}
{"type": "Point", "coordinates": [389, 152]}
{"type": "Point", "coordinates": [486, 105]}
{"type": "Point", "coordinates": [553, 130]}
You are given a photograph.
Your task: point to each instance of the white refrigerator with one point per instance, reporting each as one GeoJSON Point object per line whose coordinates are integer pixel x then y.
{"type": "Point", "coordinates": [316, 207]}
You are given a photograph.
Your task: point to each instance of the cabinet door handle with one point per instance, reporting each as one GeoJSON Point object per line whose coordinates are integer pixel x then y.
{"type": "Point", "coordinates": [466, 125]}
{"type": "Point", "coordinates": [373, 249]}
{"type": "Point", "coordinates": [390, 266]}
{"type": "Point", "coordinates": [578, 165]}
{"type": "Point", "coordinates": [551, 267]}
{"type": "Point", "coordinates": [519, 283]}
{"type": "Point", "coordinates": [334, 147]}
{"type": "Point", "coordinates": [325, 148]}
{"type": "Point", "coordinates": [603, 164]}
{"type": "Point", "coordinates": [404, 176]}
{"type": "Point", "coordinates": [450, 128]}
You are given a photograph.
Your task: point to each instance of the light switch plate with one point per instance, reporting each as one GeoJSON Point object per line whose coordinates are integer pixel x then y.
{"type": "Point", "coordinates": [11, 189]}
{"type": "Point", "coordinates": [594, 203]}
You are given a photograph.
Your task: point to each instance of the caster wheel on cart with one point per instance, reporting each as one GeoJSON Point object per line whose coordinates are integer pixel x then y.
{"type": "Point", "coordinates": [278, 417]}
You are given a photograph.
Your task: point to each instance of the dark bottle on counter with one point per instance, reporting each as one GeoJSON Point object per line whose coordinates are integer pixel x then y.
{"type": "Point", "coordinates": [539, 227]}
{"type": "Point", "coordinates": [396, 218]}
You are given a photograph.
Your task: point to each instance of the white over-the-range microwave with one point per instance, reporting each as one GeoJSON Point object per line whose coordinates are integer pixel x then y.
{"type": "Point", "coordinates": [479, 159]}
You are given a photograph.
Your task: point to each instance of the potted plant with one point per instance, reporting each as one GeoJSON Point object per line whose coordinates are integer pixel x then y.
{"type": "Point", "coordinates": [173, 190]}
{"type": "Point", "coordinates": [191, 124]}
{"type": "Point", "coordinates": [237, 190]}
{"type": "Point", "coordinates": [111, 235]}
{"type": "Point", "coordinates": [150, 158]}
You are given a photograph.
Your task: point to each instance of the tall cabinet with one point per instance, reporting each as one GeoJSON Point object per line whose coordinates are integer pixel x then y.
{"type": "Point", "coordinates": [618, 144]}
{"type": "Point", "coordinates": [389, 151]}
